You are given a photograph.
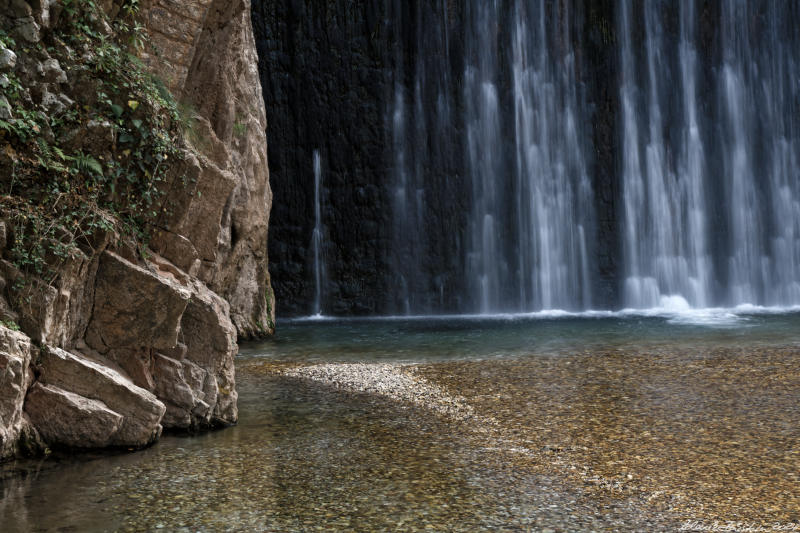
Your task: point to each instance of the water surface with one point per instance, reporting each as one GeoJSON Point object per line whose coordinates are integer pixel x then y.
{"type": "Point", "coordinates": [440, 338]}
{"type": "Point", "coordinates": [618, 421]}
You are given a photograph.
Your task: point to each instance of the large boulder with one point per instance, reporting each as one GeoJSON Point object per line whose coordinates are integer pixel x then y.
{"type": "Point", "coordinates": [136, 311]}
{"type": "Point", "coordinates": [185, 407]}
{"type": "Point", "coordinates": [210, 339]}
{"type": "Point", "coordinates": [16, 376]}
{"type": "Point", "coordinates": [197, 379]}
{"type": "Point", "coordinates": [140, 410]}
{"type": "Point", "coordinates": [134, 307]}
{"type": "Point", "coordinates": [71, 420]}
{"type": "Point", "coordinates": [141, 314]}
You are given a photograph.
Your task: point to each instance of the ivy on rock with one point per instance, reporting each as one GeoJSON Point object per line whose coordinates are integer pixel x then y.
{"type": "Point", "coordinates": [89, 150]}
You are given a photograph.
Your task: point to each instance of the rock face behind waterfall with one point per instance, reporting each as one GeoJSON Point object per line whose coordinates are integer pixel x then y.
{"type": "Point", "coordinates": [426, 189]}
{"type": "Point", "coordinates": [126, 343]}
{"type": "Point", "coordinates": [335, 73]}
{"type": "Point", "coordinates": [517, 155]}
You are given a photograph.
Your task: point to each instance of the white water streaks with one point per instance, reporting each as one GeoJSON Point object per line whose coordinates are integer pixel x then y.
{"type": "Point", "coordinates": [510, 124]}
{"type": "Point", "coordinates": [666, 249]}
{"type": "Point", "coordinates": [711, 181]}
{"type": "Point", "coordinates": [317, 236]}
{"type": "Point", "coordinates": [492, 150]}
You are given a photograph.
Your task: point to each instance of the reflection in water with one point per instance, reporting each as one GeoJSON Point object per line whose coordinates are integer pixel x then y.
{"type": "Point", "coordinates": [301, 458]}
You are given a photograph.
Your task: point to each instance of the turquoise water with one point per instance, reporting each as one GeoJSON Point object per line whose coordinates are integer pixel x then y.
{"type": "Point", "coordinates": [439, 338]}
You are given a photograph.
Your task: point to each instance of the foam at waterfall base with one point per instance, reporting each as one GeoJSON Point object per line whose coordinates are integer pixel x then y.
{"type": "Point", "coordinates": [675, 309]}
{"type": "Point", "coordinates": [676, 303]}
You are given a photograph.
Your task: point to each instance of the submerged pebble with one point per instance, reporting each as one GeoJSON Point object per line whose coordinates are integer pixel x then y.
{"type": "Point", "coordinates": [619, 439]}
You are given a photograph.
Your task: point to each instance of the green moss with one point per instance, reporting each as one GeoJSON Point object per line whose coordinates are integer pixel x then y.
{"type": "Point", "coordinates": [239, 127]}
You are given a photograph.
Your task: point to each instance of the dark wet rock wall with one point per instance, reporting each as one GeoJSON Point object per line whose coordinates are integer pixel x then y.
{"type": "Point", "coordinates": [329, 71]}
{"type": "Point", "coordinates": [333, 73]}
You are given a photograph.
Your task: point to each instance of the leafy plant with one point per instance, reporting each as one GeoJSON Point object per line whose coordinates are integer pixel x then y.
{"type": "Point", "coordinates": [85, 163]}
{"type": "Point", "coordinates": [69, 191]}
{"type": "Point", "coordinates": [6, 40]}
{"type": "Point", "coordinates": [9, 324]}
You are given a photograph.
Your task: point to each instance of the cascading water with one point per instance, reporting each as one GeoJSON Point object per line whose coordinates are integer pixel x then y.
{"type": "Point", "coordinates": [760, 95]}
{"type": "Point", "coordinates": [746, 275]}
{"type": "Point", "coordinates": [681, 165]}
{"type": "Point", "coordinates": [691, 166]}
{"type": "Point", "coordinates": [486, 263]}
{"type": "Point", "coordinates": [421, 129]}
{"type": "Point", "coordinates": [554, 194]}
{"type": "Point", "coordinates": [526, 244]}
{"type": "Point", "coordinates": [317, 236]}
{"type": "Point", "coordinates": [528, 155]}
{"type": "Point", "coordinates": [406, 231]}
{"type": "Point", "coordinates": [663, 178]}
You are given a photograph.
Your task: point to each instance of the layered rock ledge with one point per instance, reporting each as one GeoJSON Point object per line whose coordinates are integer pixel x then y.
{"type": "Point", "coordinates": [126, 342]}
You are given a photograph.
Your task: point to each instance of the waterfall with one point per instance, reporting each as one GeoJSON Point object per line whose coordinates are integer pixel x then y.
{"type": "Point", "coordinates": [663, 178]}
{"type": "Point", "coordinates": [681, 164]}
{"type": "Point", "coordinates": [317, 236]}
{"type": "Point", "coordinates": [405, 228]}
{"type": "Point", "coordinates": [421, 129]}
{"type": "Point", "coordinates": [746, 276]}
{"type": "Point", "coordinates": [512, 156]}
{"type": "Point", "coordinates": [691, 168]}
{"type": "Point", "coordinates": [554, 194]}
{"type": "Point", "coordinates": [514, 114]}
{"type": "Point", "coordinates": [759, 90]}
{"type": "Point", "coordinates": [486, 265]}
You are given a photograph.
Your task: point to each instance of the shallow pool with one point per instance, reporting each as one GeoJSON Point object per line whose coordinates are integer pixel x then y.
{"type": "Point", "coordinates": [629, 421]}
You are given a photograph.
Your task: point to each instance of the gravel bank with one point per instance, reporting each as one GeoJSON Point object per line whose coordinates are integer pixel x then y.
{"type": "Point", "coordinates": [395, 381]}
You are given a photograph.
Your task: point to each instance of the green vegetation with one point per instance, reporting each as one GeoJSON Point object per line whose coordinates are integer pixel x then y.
{"type": "Point", "coordinates": [98, 163]}
{"type": "Point", "coordinates": [239, 127]}
{"type": "Point", "coordinates": [10, 324]}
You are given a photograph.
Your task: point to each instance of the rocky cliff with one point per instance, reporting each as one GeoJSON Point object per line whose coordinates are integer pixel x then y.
{"type": "Point", "coordinates": [108, 333]}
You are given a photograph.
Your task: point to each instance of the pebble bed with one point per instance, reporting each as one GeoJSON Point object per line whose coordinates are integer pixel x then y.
{"type": "Point", "coordinates": [394, 381]}
{"type": "Point", "coordinates": [601, 440]}
{"type": "Point", "coordinates": [701, 436]}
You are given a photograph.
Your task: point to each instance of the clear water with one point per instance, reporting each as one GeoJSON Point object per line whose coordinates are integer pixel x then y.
{"type": "Point", "coordinates": [442, 338]}
{"type": "Point", "coordinates": [307, 456]}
